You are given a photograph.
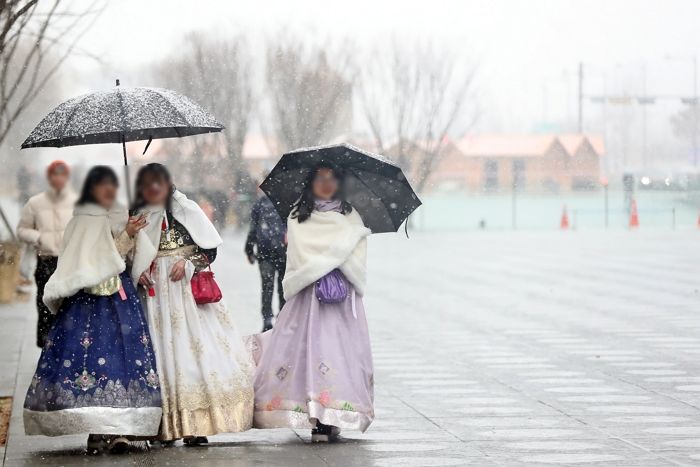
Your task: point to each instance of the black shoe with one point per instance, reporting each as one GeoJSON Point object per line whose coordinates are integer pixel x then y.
{"type": "Point", "coordinates": [95, 444]}
{"type": "Point", "coordinates": [267, 324]}
{"type": "Point", "coordinates": [195, 440]}
{"type": "Point", "coordinates": [118, 445]}
{"type": "Point", "coordinates": [324, 433]}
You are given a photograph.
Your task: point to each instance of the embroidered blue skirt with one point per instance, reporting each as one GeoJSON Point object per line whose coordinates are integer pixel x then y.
{"type": "Point", "coordinates": [97, 371]}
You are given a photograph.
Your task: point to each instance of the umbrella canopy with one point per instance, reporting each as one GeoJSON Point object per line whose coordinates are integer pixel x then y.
{"type": "Point", "coordinates": [374, 185]}
{"type": "Point", "coordinates": [120, 115]}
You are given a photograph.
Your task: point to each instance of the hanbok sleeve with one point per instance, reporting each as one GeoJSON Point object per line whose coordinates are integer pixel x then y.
{"type": "Point", "coordinates": [124, 243]}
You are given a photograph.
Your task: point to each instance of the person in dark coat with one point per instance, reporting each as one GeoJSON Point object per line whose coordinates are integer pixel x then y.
{"type": "Point", "coordinates": [267, 244]}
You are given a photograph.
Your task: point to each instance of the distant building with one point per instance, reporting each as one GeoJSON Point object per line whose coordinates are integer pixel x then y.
{"type": "Point", "coordinates": [496, 163]}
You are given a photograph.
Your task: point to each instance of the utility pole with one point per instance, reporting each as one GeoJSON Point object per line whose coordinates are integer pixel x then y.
{"type": "Point", "coordinates": [696, 104]}
{"type": "Point", "coordinates": [645, 162]}
{"type": "Point", "coordinates": [580, 97]}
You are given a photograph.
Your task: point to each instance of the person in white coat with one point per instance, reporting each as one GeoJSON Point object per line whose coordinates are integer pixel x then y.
{"type": "Point", "coordinates": [42, 223]}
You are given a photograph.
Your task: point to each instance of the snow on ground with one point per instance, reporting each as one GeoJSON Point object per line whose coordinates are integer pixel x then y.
{"type": "Point", "coordinates": [490, 349]}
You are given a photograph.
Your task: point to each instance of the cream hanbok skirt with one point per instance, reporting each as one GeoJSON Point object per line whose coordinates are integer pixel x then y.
{"type": "Point", "coordinates": [205, 371]}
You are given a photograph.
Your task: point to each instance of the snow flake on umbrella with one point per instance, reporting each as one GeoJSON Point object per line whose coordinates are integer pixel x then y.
{"type": "Point", "coordinates": [132, 113]}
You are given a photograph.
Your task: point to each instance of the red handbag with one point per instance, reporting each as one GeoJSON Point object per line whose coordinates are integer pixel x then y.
{"type": "Point", "coordinates": [204, 287]}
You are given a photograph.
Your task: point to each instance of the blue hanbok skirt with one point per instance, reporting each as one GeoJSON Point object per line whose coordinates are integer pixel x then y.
{"type": "Point", "coordinates": [97, 371]}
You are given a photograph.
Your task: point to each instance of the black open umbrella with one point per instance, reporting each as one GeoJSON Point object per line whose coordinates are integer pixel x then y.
{"type": "Point", "coordinates": [121, 115]}
{"type": "Point", "coordinates": [374, 185]}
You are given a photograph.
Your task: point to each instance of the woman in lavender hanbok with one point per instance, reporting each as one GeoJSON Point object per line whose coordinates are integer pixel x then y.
{"type": "Point", "coordinates": [315, 366]}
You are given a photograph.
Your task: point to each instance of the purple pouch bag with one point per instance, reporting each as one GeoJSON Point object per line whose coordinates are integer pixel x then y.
{"type": "Point", "coordinates": [331, 288]}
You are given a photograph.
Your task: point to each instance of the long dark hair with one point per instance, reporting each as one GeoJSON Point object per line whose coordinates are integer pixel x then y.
{"type": "Point", "coordinates": [305, 205]}
{"type": "Point", "coordinates": [158, 172]}
{"type": "Point", "coordinates": [97, 175]}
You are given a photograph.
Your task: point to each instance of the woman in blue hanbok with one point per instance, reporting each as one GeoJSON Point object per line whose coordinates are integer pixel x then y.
{"type": "Point", "coordinates": [97, 371]}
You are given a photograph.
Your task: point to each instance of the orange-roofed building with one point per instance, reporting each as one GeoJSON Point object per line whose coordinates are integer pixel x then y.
{"type": "Point", "coordinates": [494, 163]}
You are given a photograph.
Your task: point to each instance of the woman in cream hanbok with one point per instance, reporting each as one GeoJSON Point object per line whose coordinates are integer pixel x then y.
{"type": "Point", "coordinates": [205, 371]}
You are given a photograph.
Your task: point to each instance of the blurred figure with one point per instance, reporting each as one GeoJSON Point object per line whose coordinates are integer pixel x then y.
{"type": "Point", "coordinates": [42, 222]}
{"type": "Point", "coordinates": [267, 243]}
{"type": "Point", "coordinates": [24, 180]}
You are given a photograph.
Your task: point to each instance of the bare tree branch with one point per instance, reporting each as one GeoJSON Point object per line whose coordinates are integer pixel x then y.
{"type": "Point", "coordinates": [412, 100]}
{"type": "Point", "coordinates": [310, 96]}
{"type": "Point", "coordinates": [34, 44]}
{"type": "Point", "coordinates": [216, 74]}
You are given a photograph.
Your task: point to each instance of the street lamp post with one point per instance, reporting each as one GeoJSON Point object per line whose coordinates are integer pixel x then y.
{"type": "Point", "coordinates": [694, 103]}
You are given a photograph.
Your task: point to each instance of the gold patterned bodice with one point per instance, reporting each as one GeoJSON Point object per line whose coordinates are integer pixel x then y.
{"type": "Point", "coordinates": [171, 239]}
{"type": "Point", "coordinates": [106, 288]}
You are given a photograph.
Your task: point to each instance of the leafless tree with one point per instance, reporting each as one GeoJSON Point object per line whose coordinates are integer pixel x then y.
{"type": "Point", "coordinates": [413, 99]}
{"type": "Point", "coordinates": [217, 75]}
{"type": "Point", "coordinates": [310, 94]}
{"type": "Point", "coordinates": [36, 38]}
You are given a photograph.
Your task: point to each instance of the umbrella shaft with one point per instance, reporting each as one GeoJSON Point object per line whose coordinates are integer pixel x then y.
{"type": "Point", "coordinates": [126, 173]}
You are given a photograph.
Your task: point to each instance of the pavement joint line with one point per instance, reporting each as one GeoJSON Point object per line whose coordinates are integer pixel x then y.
{"type": "Point", "coordinates": [660, 394]}
{"type": "Point", "coordinates": [643, 449]}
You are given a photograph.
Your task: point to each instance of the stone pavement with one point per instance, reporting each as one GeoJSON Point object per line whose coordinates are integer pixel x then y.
{"type": "Point", "coordinates": [569, 348]}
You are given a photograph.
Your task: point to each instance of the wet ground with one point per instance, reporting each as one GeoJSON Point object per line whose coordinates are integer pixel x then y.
{"type": "Point", "coordinates": [490, 349]}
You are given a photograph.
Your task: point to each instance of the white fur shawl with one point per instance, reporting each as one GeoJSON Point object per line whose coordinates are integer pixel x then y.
{"type": "Point", "coordinates": [88, 255]}
{"type": "Point", "coordinates": [187, 213]}
{"type": "Point", "coordinates": [325, 241]}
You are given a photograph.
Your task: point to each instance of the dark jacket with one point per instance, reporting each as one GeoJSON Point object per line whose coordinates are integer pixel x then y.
{"type": "Point", "coordinates": [267, 231]}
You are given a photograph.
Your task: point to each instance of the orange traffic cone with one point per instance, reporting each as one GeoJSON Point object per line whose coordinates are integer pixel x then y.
{"type": "Point", "coordinates": [634, 215]}
{"type": "Point", "coordinates": [564, 223]}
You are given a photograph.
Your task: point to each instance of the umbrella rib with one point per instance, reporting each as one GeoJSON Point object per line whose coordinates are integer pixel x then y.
{"type": "Point", "coordinates": [353, 170]}
{"type": "Point", "coordinates": [123, 117]}
{"type": "Point", "coordinates": [167, 101]}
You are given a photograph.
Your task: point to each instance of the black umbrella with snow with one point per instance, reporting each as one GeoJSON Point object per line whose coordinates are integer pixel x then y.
{"type": "Point", "coordinates": [374, 185]}
{"type": "Point", "coordinates": [121, 115]}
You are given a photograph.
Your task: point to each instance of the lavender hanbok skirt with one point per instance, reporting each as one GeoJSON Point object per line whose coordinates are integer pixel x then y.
{"type": "Point", "coordinates": [315, 365]}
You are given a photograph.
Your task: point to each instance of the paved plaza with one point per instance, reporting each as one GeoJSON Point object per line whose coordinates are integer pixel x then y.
{"type": "Point", "coordinates": [513, 349]}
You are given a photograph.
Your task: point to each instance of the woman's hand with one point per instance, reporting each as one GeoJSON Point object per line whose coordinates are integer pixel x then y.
{"type": "Point", "coordinates": [178, 271]}
{"type": "Point", "coordinates": [145, 280]}
{"type": "Point", "coordinates": [135, 224]}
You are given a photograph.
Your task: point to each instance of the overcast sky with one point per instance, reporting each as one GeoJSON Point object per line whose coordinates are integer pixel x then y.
{"type": "Point", "coordinates": [528, 50]}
